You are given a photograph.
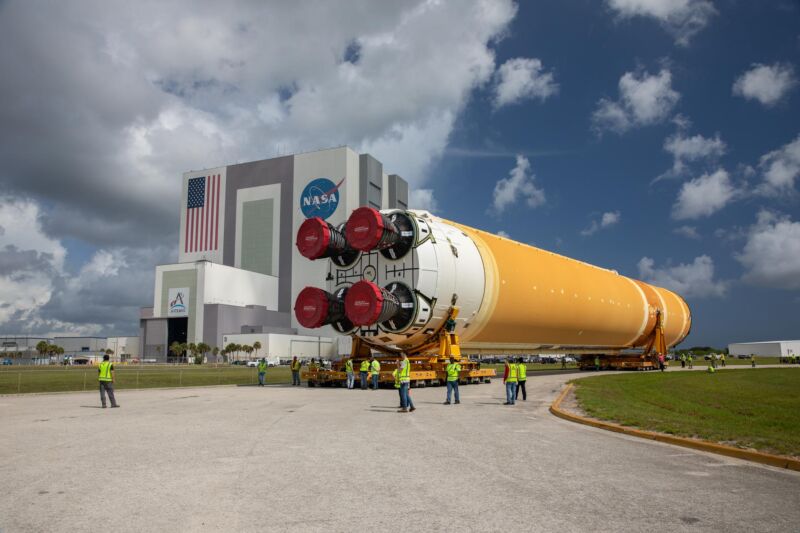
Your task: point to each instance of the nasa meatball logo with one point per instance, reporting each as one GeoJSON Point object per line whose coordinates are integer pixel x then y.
{"type": "Point", "coordinates": [320, 198]}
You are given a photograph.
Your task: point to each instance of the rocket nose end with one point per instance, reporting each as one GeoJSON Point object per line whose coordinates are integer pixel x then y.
{"type": "Point", "coordinates": [364, 229]}
{"type": "Point", "coordinates": [313, 238]}
{"type": "Point", "coordinates": [363, 303]}
{"type": "Point", "coordinates": [311, 307]}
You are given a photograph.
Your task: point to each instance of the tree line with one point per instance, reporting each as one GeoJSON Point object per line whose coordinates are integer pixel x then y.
{"type": "Point", "coordinates": [199, 351]}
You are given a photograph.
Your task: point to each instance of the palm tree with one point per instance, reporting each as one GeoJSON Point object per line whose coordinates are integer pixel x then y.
{"type": "Point", "coordinates": [256, 348]}
{"type": "Point", "coordinates": [215, 352]}
{"type": "Point", "coordinates": [175, 349]}
{"type": "Point", "coordinates": [202, 349]}
{"type": "Point", "coordinates": [41, 347]}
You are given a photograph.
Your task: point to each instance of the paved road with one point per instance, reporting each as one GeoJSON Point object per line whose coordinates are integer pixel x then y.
{"type": "Point", "coordinates": [299, 459]}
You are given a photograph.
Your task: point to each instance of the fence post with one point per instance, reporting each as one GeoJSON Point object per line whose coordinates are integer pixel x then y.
{"type": "Point", "coordinates": [137, 379]}
{"type": "Point", "coordinates": [180, 378]}
{"type": "Point", "coordinates": [219, 376]}
{"type": "Point", "coordinates": [84, 380]}
{"type": "Point", "coordinates": [19, 382]}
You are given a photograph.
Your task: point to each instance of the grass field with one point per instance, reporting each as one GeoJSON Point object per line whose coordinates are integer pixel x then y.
{"type": "Point", "coordinates": [76, 378]}
{"type": "Point", "coordinates": [730, 361]}
{"type": "Point", "coordinates": [757, 409]}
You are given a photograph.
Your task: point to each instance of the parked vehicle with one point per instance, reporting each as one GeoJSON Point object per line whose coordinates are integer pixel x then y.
{"type": "Point", "coordinates": [7, 362]}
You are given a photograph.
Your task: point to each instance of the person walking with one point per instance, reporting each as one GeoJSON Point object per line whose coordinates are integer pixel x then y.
{"type": "Point", "coordinates": [262, 371]}
{"type": "Point", "coordinates": [453, 370]}
{"type": "Point", "coordinates": [375, 368]}
{"type": "Point", "coordinates": [348, 368]}
{"type": "Point", "coordinates": [522, 377]}
{"type": "Point", "coordinates": [406, 405]}
{"type": "Point", "coordinates": [510, 379]}
{"type": "Point", "coordinates": [106, 378]}
{"type": "Point", "coordinates": [364, 370]}
{"type": "Point", "coordinates": [661, 362]}
{"type": "Point", "coordinates": [295, 366]}
{"type": "Point", "coordinates": [722, 359]}
{"type": "Point", "coordinates": [564, 362]}
{"type": "Point", "coordinates": [752, 360]}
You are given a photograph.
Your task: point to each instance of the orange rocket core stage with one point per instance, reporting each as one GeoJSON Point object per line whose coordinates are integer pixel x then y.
{"type": "Point", "coordinates": [535, 297]}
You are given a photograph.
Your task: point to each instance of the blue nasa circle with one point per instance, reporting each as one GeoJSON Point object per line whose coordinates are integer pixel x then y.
{"type": "Point", "coordinates": [320, 198]}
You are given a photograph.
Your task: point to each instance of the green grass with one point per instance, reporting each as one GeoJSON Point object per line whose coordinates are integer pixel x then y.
{"type": "Point", "coordinates": [15, 380]}
{"type": "Point", "coordinates": [730, 361]}
{"type": "Point", "coordinates": [756, 409]}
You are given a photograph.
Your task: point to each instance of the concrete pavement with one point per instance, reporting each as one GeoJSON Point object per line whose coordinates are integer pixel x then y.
{"type": "Point", "coordinates": [299, 459]}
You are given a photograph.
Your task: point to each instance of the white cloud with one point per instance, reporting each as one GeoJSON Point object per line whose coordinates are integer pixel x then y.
{"type": "Point", "coordinates": [695, 279]}
{"type": "Point", "coordinates": [520, 185]}
{"type": "Point", "coordinates": [780, 169]}
{"type": "Point", "coordinates": [690, 232]}
{"type": "Point", "coordinates": [768, 84]}
{"type": "Point", "coordinates": [643, 100]}
{"type": "Point", "coordinates": [608, 219]}
{"type": "Point", "coordinates": [771, 254]}
{"type": "Point", "coordinates": [423, 199]}
{"type": "Point", "coordinates": [686, 150]}
{"type": "Point", "coordinates": [682, 18]}
{"type": "Point", "coordinates": [505, 234]}
{"type": "Point", "coordinates": [521, 78]}
{"type": "Point", "coordinates": [704, 196]}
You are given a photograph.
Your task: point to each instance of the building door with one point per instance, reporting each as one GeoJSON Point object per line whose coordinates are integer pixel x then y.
{"type": "Point", "coordinates": [177, 331]}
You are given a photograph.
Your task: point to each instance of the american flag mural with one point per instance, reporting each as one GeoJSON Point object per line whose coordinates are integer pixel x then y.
{"type": "Point", "coordinates": [202, 214]}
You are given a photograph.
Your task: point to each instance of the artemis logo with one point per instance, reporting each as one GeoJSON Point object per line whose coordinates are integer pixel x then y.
{"type": "Point", "coordinates": [320, 198]}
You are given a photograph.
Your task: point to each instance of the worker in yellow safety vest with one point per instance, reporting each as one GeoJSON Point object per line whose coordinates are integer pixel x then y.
{"type": "Point", "coordinates": [722, 359]}
{"type": "Point", "coordinates": [106, 379]}
{"type": "Point", "coordinates": [597, 363]}
{"type": "Point", "coordinates": [396, 376]}
{"type": "Point", "coordinates": [262, 371]}
{"type": "Point", "coordinates": [752, 360]}
{"type": "Point", "coordinates": [348, 369]}
{"type": "Point", "coordinates": [710, 369]}
{"type": "Point", "coordinates": [375, 368]}
{"type": "Point", "coordinates": [364, 370]}
{"type": "Point", "coordinates": [406, 405]}
{"type": "Point", "coordinates": [522, 377]}
{"type": "Point", "coordinates": [453, 370]}
{"type": "Point", "coordinates": [511, 381]}
{"type": "Point", "coordinates": [295, 366]}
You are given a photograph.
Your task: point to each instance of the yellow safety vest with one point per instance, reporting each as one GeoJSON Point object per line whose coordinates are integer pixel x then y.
{"type": "Point", "coordinates": [396, 376]}
{"type": "Point", "coordinates": [262, 367]}
{"type": "Point", "coordinates": [364, 365]}
{"type": "Point", "coordinates": [405, 373]}
{"type": "Point", "coordinates": [453, 370]}
{"type": "Point", "coordinates": [348, 366]}
{"type": "Point", "coordinates": [523, 372]}
{"type": "Point", "coordinates": [512, 373]}
{"type": "Point", "coordinates": [296, 365]}
{"type": "Point", "coordinates": [105, 371]}
{"type": "Point", "coordinates": [375, 366]}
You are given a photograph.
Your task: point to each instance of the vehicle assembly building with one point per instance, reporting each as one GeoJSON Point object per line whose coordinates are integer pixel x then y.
{"type": "Point", "coordinates": [238, 271]}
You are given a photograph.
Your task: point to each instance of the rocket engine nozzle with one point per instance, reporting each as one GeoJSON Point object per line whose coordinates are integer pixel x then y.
{"type": "Point", "coordinates": [315, 308]}
{"type": "Point", "coordinates": [317, 238]}
{"type": "Point", "coordinates": [366, 303]}
{"type": "Point", "coordinates": [368, 229]}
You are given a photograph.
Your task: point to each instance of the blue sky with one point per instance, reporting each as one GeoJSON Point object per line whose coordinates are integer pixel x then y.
{"type": "Point", "coordinates": [656, 137]}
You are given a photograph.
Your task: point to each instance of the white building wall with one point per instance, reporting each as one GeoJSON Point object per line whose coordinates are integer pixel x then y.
{"type": "Point", "coordinates": [275, 346]}
{"type": "Point", "coordinates": [766, 349]}
{"type": "Point", "coordinates": [123, 346]}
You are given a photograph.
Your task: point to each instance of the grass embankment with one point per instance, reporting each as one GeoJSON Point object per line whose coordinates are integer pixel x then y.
{"type": "Point", "coordinates": [756, 409]}
{"type": "Point", "coordinates": [15, 380]}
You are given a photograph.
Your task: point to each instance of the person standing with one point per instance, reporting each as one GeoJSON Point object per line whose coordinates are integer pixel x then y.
{"type": "Point", "coordinates": [106, 378]}
{"type": "Point", "coordinates": [364, 370]}
{"type": "Point", "coordinates": [661, 361]}
{"type": "Point", "coordinates": [510, 380]}
{"type": "Point", "coordinates": [348, 369]}
{"type": "Point", "coordinates": [522, 377]}
{"type": "Point", "coordinates": [375, 368]}
{"type": "Point", "coordinates": [564, 362]}
{"type": "Point", "coordinates": [453, 370]}
{"type": "Point", "coordinates": [262, 371]}
{"type": "Point", "coordinates": [295, 366]}
{"type": "Point", "coordinates": [683, 360]}
{"type": "Point", "coordinates": [690, 360]}
{"type": "Point", "coordinates": [722, 359]}
{"type": "Point", "coordinates": [396, 376]}
{"type": "Point", "coordinates": [752, 360]}
{"type": "Point", "coordinates": [406, 405]}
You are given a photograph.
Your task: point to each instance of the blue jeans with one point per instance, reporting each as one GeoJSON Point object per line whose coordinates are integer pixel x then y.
{"type": "Point", "coordinates": [295, 377]}
{"type": "Point", "coordinates": [375, 377]}
{"type": "Point", "coordinates": [350, 380]}
{"type": "Point", "coordinates": [363, 380]}
{"type": "Point", "coordinates": [452, 386]}
{"type": "Point", "coordinates": [511, 389]}
{"type": "Point", "coordinates": [261, 377]}
{"type": "Point", "coordinates": [405, 398]}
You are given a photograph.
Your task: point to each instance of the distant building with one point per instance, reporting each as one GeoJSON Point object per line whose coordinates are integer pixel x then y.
{"type": "Point", "coordinates": [238, 271]}
{"type": "Point", "coordinates": [82, 349]}
{"type": "Point", "coordinates": [766, 348]}
{"type": "Point", "coordinates": [20, 348]}
{"type": "Point", "coordinates": [123, 348]}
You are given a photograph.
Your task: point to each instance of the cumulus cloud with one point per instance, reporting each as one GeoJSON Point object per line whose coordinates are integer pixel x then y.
{"type": "Point", "coordinates": [695, 279]}
{"type": "Point", "coordinates": [521, 79]}
{"type": "Point", "coordinates": [520, 185]}
{"type": "Point", "coordinates": [704, 196]}
{"type": "Point", "coordinates": [644, 99]}
{"type": "Point", "coordinates": [768, 84]}
{"type": "Point", "coordinates": [771, 254]}
{"type": "Point", "coordinates": [682, 18]}
{"type": "Point", "coordinates": [607, 219]}
{"type": "Point", "coordinates": [780, 168]}
{"type": "Point", "coordinates": [505, 234]}
{"type": "Point", "coordinates": [423, 199]}
{"type": "Point", "coordinates": [687, 150]}
{"type": "Point", "coordinates": [690, 232]}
